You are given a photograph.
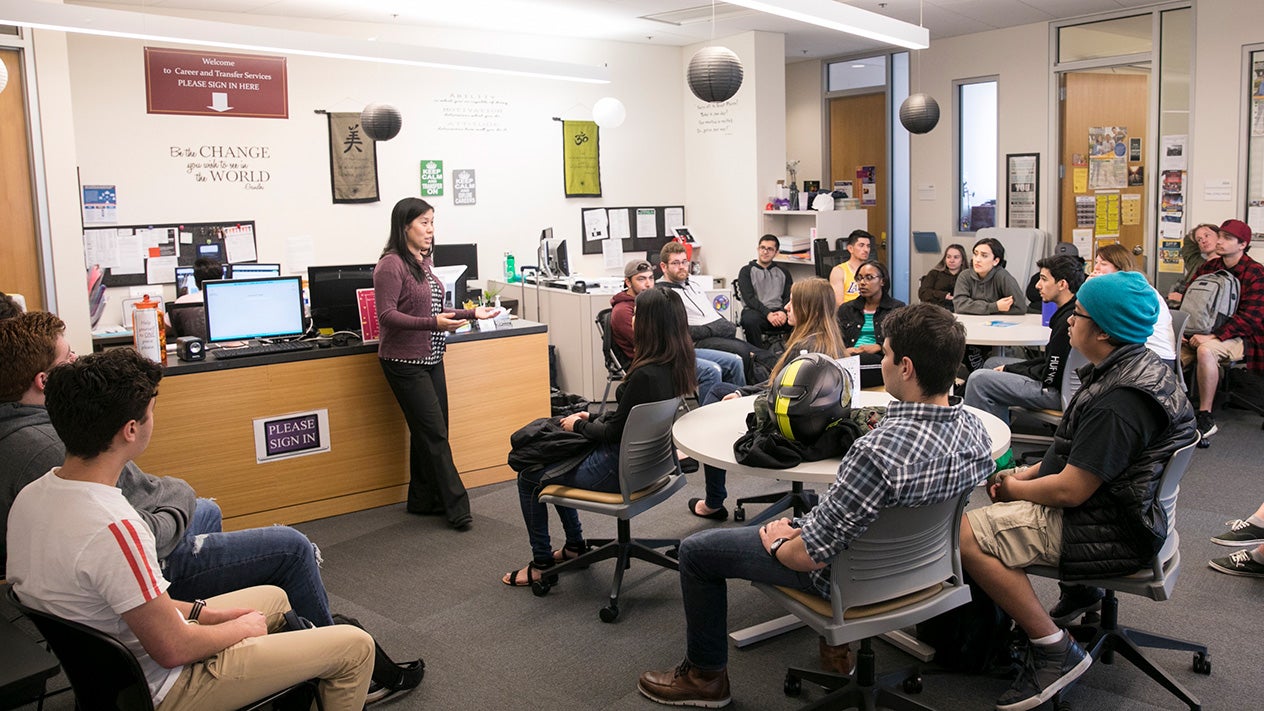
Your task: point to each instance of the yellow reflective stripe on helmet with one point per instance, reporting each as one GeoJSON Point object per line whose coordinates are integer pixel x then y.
{"type": "Point", "coordinates": [782, 405]}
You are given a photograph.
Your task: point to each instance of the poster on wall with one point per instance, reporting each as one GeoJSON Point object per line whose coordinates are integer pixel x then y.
{"type": "Point", "coordinates": [1022, 176]}
{"type": "Point", "coordinates": [432, 178]}
{"type": "Point", "coordinates": [581, 158]}
{"type": "Point", "coordinates": [1107, 157]}
{"type": "Point", "coordinates": [1257, 98]}
{"type": "Point", "coordinates": [202, 83]}
{"type": "Point", "coordinates": [866, 178]}
{"type": "Point", "coordinates": [100, 205]}
{"type": "Point", "coordinates": [352, 160]}
{"type": "Point", "coordinates": [1171, 213]}
{"type": "Point", "coordinates": [464, 188]}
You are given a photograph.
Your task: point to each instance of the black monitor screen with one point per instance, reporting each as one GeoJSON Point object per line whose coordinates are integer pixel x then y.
{"type": "Point", "coordinates": [332, 291]}
{"type": "Point", "coordinates": [254, 308]}
{"type": "Point", "coordinates": [451, 255]}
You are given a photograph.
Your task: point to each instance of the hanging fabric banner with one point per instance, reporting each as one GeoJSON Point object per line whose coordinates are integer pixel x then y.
{"type": "Point", "coordinates": [581, 159]}
{"type": "Point", "coordinates": [352, 159]}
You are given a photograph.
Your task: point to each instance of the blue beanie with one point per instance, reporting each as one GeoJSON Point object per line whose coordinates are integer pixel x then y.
{"type": "Point", "coordinates": [1122, 304]}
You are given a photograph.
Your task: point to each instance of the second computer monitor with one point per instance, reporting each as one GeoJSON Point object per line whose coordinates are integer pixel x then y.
{"type": "Point", "coordinates": [253, 270]}
{"type": "Point", "coordinates": [332, 290]}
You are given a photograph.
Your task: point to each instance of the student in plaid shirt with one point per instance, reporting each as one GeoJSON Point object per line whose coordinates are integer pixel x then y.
{"type": "Point", "coordinates": [925, 450]}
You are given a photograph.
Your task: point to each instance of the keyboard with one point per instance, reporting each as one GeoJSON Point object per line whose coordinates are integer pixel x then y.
{"type": "Point", "coordinates": [263, 349]}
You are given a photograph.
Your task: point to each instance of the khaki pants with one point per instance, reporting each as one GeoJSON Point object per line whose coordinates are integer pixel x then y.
{"type": "Point", "coordinates": [340, 656]}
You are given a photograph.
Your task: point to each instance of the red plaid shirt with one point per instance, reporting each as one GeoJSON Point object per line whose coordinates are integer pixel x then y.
{"type": "Point", "coordinates": [1247, 322]}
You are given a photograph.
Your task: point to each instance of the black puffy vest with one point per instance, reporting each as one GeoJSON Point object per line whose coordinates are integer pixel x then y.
{"type": "Point", "coordinates": [1121, 526]}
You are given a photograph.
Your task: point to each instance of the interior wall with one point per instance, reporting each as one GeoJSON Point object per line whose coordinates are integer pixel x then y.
{"type": "Point", "coordinates": [804, 120]}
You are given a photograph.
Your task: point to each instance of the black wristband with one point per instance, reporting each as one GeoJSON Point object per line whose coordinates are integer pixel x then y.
{"type": "Point", "coordinates": [776, 546]}
{"type": "Point", "coordinates": [197, 609]}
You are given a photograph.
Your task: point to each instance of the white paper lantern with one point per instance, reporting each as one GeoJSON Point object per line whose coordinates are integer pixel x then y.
{"type": "Point", "coordinates": [919, 113]}
{"type": "Point", "coordinates": [381, 122]}
{"type": "Point", "coordinates": [609, 112]}
{"type": "Point", "coordinates": [4, 75]}
{"type": "Point", "coordinates": [715, 74]}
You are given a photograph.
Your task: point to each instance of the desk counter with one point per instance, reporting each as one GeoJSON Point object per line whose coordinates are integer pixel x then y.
{"type": "Point", "coordinates": [497, 382]}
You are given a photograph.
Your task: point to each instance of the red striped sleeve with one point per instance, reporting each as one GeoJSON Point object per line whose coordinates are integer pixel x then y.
{"type": "Point", "coordinates": [135, 557]}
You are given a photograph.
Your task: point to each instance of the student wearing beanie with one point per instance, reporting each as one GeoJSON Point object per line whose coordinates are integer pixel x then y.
{"type": "Point", "coordinates": [1241, 338]}
{"type": "Point", "coordinates": [1091, 506]}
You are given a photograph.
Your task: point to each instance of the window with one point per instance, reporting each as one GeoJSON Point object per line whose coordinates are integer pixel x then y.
{"type": "Point", "coordinates": [976, 154]}
{"type": "Point", "coordinates": [846, 74]}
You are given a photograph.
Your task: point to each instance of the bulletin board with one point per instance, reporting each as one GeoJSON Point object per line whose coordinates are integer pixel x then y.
{"type": "Point", "coordinates": [131, 255]}
{"type": "Point", "coordinates": [641, 228]}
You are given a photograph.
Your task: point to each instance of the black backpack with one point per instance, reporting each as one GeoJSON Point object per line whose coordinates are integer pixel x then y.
{"type": "Point", "coordinates": [976, 638]}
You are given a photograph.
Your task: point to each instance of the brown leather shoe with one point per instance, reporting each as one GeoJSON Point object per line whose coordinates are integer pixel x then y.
{"type": "Point", "coordinates": [837, 659]}
{"type": "Point", "coordinates": [686, 686]}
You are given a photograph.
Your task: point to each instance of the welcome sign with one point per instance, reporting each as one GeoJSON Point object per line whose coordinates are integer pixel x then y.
{"type": "Point", "coordinates": [294, 435]}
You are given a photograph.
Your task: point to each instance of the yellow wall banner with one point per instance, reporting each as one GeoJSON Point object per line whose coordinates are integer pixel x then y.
{"type": "Point", "coordinates": [581, 158]}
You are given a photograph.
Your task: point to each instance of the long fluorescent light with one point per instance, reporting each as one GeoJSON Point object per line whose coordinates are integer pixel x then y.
{"type": "Point", "coordinates": [845, 18]}
{"type": "Point", "coordinates": [163, 28]}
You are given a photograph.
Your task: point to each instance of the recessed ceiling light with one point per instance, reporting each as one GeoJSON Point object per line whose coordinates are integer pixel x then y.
{"type": "Point", "coordinates": [857, 66]}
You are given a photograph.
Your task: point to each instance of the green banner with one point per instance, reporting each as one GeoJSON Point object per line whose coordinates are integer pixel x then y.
{"type": "Point", "coordinates": [581, 158]}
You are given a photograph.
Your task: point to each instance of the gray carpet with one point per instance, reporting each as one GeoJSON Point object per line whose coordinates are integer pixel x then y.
{"type": "Point", "coordinates": [425, 590]}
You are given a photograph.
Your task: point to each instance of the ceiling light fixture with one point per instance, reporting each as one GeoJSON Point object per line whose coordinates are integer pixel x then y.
{"type": "Point", "coordinates": [845, 18]}
{"type": "Point", "coordinates": [161, 28]}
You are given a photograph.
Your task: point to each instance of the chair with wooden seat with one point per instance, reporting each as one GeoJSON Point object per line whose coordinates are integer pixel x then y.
{"type": "Point", "coordinates": [904, 569]}
{"type": "Point", "coordinates": [649, 474]}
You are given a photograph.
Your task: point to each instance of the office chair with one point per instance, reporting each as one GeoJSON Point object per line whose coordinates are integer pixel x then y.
{"type": "Point", "coordinates": [904, 569]}
{"type": "Point", "coordinates": [1052, 418]}
{"type": "Point", "coordinates": [824, 259]}
{"type": "Point", "coordinates": [104, 674]}
{"type": "Point", "coordinates": [1154, 582]}
{"type": "Point", "coordinates": [187, 319]}
{"type": "Point", "coordinates": [616, 369]}
{"type": "Point", "coordinates": [649, 474]}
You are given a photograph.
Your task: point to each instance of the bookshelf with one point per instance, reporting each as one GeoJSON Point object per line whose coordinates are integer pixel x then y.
{"type": "Point", "coordinates": [829, 224]}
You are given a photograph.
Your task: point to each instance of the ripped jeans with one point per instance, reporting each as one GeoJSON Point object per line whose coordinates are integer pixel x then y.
{"type": "Point", "coordinates": [209, 562]}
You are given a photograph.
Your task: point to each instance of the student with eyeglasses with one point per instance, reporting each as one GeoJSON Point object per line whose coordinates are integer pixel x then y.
{"type": "Point", "coordinates": [765, 290]}
{"type": "Point", "coordinates": [860, 320]}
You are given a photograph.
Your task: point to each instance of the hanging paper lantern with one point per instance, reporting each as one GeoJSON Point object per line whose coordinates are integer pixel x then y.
{"type": "Point", "coordinates": [609, 112]}
{"type": "Point", "coordinates": [715, 74]}
{"type": "Point", "coordinates": [381, 122]}
{"type": "Point", "coordinates": [919, 113]}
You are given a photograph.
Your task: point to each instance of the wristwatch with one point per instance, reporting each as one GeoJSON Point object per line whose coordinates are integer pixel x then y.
{"type": "Point", "coordinates": [776, 545]}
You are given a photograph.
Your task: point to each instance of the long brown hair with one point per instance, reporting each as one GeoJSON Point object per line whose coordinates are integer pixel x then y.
{"type": "Point", "coordinates": [661, 333]}
{"type": "Point", "coordinates": [1119, 256]}
{"type": "Point", "coordinates": [816, 324]}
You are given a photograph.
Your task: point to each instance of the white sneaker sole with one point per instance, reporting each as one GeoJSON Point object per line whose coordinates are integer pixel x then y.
{"type": "Point", "coordinates": [1239, 543]}
{"type": "Point", "coordinates": [1063, 682]}
{"type": "Point", "coordinates": [1233, 571]}
{"type": "Point", "coordinates": [697, 703]}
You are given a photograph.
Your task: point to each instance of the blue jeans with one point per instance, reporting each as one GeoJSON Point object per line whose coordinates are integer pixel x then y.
{"type": "Point", "coordinates": [715, 476]}
{"type": "Point", "coordinates": [994, 392]}
{"type": "Point", "coordinates": [732, 370]}
{"type": "Point", "coordinates": [599, 472]}
{"type": "Point", "coordinates": [708, 559]}
{"type": "Point", "coordinates": [208, 562]}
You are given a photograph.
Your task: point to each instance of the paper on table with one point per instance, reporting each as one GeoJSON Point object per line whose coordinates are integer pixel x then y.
{"type": "Point", "coordinates": [160, 270]}
{"type": "Point", "coordinates": [852, 365]}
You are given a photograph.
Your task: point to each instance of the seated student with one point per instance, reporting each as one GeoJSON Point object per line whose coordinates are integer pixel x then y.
{"type": "Point", "coordinates": [938, 284]}
{"type": "Point", "coordinates": [811, 313]}
{"type": "Point", "coordinates": [1036, 382]}
{"type": "Point", "coordinates": [1242, 336]}
{"type": "Point", "coordinates": [80, 551]}
{"type": "Point", "coordinates": [707, 328]}
{"type": "Point", "coordinates": [1199, 246]}
{"type": "Point", "coordinates": [843, 276]}
{"type": "Point", "coordinates": [662, 369]}
{"type": "Point", "coordinates": [926, 450]}
{"type": "Point", "coordinates": [987, 288]}
{"type": "Point", "coordinates": [8, 307]}
{"type": "Point", "coordinates": [860, 321]}
{"type": "Point", "coordinates": [765, 290]}
{"type": "Point", "coordinates": [190, 320]}
{"type": "Point", "coordinates": [204, 269]}
{"type": "Point", "coordinates": [713, 367]}
{"type": "Point", "coordinates": [1112, 258]}
{"type": "Point", "coordinates": [1091, 508]}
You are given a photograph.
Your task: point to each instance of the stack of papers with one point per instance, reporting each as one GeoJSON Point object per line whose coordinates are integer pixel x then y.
{"type": "Point", "coordinates": [796, 246]}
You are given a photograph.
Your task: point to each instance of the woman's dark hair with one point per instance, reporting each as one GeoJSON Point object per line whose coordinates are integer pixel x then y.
{"type": "Point", "coordinates": [883, 274]}
{"type": "Point", "coordinates": [942, 264]}
{"type": "Point", "coordinates": [661, 334]}
{"type": "Point", "coordinates": [402, 215]}
{"type": "Point", "coordinates": [998, 249]}
{"type": "Point", "coordinates": [815, 324]}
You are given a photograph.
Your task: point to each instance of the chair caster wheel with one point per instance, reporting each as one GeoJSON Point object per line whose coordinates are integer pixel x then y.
{"type": "Point", "coordinates": [913, 685]}
{"type": "Point", "coordinates": [1202, 664]}
{"type": "Point", "coordinates": [540, 588]}
{"type": "Point", "coordinates": [739, 513]}
{"type": "Point", "coordinates": [610, 613]}
{"type": "Point", "coordinates": [1204, 443]}
{"type": "Point", "coordinates": [792, 686]}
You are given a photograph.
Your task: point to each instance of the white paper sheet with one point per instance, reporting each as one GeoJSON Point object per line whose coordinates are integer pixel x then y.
{"type": "Point", "coordinates": [300, 253]}
{"type": "Point", "coordinates": [239, 243]}
{"type": "Point", "coordinates": [612, 254]}
{"type": "Point", "coordinates": [1083, 240]}
{"type": "Point", "coordinates": [160, 270]}
{"type": "Point", "coordinates": [596, 225]}
{"type": "Point", "coordinates": [673, 217]}
{"type": "Point", "coordinates": [130, 255]}
{"type": "Point", "coordinates": [646, 223]}
{"type": "Point", "coordinates": [618, 223]}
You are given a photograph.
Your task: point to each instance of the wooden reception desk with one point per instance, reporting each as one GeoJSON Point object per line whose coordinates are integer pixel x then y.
{"type": "Point", "coordinates": [204, 433]}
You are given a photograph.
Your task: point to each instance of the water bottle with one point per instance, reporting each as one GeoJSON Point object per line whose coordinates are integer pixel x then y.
{"type": "Point", "coordinates": [511, 274]}
{"type": "Point", "coordinates": [149, 331]}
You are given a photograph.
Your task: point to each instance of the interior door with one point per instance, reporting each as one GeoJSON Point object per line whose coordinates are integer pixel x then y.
{"type": "Point", "coordinates": [858, 137]}
{"type": "Point", "coordinates": [19, 243]}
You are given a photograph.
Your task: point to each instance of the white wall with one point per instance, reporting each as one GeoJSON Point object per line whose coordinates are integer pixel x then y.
{"type": "Point", "coordinates": [805, 117]}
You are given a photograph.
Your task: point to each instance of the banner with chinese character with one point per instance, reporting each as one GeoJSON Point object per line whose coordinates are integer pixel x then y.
{"type": "Point", "coordinates": [581, 158]}
{"type": "Point", "coordinates": [352, 160]}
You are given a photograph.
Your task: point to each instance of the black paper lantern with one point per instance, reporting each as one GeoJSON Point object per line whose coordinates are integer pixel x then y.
{"type": "Point", "coordinates": [919, 113]}
{"type": "Point", "coordinates": [381, 122]}
{"type": "Point", "coordinates": [715, 74]}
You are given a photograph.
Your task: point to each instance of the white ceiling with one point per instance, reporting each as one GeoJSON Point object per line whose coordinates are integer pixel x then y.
{"type": "Point", "coordinates": [624, 20]}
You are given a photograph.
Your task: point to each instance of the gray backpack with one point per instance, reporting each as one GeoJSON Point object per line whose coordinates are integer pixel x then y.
{"type": "Point", "coordinates": [1210, 301]}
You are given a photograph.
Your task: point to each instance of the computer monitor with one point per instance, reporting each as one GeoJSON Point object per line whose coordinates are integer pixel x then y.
{"type": "Point", "coordinates": [239, 309]}
{"type": "Point", "coordinates": [552, 255]}
{"type": "Point", "coordinates": [253, 270]}
{"type": "Point", "coordinates": [450, 255]}
{"type": "Point", "coordinates": [453, 285]}
{"type": "Point", "coordinates": [185, 284]}
{"type": "Point", "coordinates": [332, 291]}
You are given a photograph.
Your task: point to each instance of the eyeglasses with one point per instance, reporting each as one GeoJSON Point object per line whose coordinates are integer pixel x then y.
{"type": "Point", "coordinates": [678, 262]}
{"type": "Point", "coordinates": [1084, 316]}
{"type": "Point", "coordinates": [868, 277]}
{"type": "Point", "coordinates": [770, 248]}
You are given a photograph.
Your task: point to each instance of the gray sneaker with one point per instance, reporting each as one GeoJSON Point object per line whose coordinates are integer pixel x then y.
{"type": "Point", "coordinates": [1240, 533]}
{"type": "Point", "coordinates": [1238, 563]}
{"type": "Point", "coordinates": [1047, 670]}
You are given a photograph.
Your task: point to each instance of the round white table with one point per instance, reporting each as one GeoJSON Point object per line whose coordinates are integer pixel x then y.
{"type": "Point", "coordinates": [1004, 330]}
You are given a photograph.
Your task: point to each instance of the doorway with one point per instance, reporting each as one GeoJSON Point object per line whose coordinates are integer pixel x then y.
{"type": "Point", "coordinates": [858, 138]}
{"type": "Point", "coordinates": [19, 250]}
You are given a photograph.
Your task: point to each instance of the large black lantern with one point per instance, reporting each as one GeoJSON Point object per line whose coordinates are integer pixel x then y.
{"type": "Point", "coordinates": [715, 74]}
{"type": "Point", "coordinates": [381, 122]}
{"type": "Point", "coordinates": [919, 113]}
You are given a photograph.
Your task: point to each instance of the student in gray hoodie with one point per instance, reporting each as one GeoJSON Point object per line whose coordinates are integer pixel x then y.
{"type": "Point", "coordinates": [987, 288]}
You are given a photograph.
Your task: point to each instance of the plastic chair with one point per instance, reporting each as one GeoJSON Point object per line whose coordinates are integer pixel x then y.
{"type": "Point", "coordinates": [1155, 581]}
{"type": "Point", "coordinates": [649, 474]}
{"type": "Point", "coordinates": [1178, 327]}
{"type": "Point", "coordinates": [1070, 386]}
{"type": "Point", "coordinates": [904, 569]}
{"type": "Point", "coordinates": [104, 674]}
{"type": "Point", "coordinates": [616, 369]}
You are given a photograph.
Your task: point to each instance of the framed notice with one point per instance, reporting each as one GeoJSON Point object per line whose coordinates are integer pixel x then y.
{"type": "Point", "coordinates": [212, 83]}
{"type": "Point", "coordinates": [1022, 190]}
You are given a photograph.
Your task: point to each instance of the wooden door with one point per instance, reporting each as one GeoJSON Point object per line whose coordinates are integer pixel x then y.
{"type": "Point", "coordinates": [1115, 97]}
{"type": "Point", "coordinates": [19, 243]}
{"type": "Point", "coordinates": [858, 137]}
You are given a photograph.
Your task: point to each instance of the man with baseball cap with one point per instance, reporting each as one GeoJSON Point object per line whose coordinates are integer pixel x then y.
{"type": "Point", "coordinates": [1091, 506]}
{"type": "Point", "coordinates": [713, 366]}
{"type": "Point", "coordinates": [1242, 336]}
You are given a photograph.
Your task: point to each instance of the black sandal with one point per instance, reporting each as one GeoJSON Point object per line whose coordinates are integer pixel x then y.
{"type": "Point", "coordinates": [571, 552]}
{"type": "Point", "coordinates": [532, 566]}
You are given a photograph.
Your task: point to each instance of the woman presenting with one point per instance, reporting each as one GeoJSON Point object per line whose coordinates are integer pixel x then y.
{"type": "Point", "coordinates": [413, 337]}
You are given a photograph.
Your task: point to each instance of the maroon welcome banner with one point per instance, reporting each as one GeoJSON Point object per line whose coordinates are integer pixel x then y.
{"type": "Point", "coordinates": [195, 83]}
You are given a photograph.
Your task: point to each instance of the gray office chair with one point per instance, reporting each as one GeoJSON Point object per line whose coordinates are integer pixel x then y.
{"type": "Point", "coordinates": [1155, 582]}
{"type": "Point", "coordinates": [1178, 327]}
{"type": "Point", "coordinates": [188, 319]}
{"type": "Point", "coordinates": [616, 369]}
{"type": "Point", "coordinates": [649, 474]}
{"type": "Point", "coordinates": [1052, 418]}
{"type": "Point", "coordinates": [904, 569]}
